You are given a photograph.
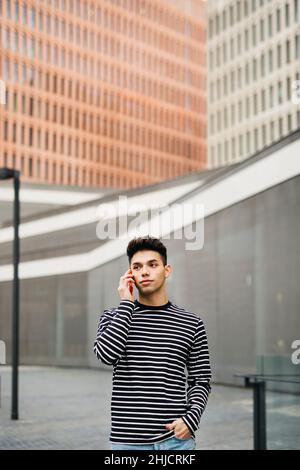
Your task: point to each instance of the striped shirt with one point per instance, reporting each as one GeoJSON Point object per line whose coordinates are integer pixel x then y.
{"type": "Point", "coordinates": [151, 348]}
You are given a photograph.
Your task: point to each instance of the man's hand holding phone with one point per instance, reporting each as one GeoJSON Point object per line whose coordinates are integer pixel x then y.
{"type": "Point", "coordinates": [125, 288]}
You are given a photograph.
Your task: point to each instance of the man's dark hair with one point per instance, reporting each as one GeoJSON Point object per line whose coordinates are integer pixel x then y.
{"type": "Point", "coordinates": [146, 243]}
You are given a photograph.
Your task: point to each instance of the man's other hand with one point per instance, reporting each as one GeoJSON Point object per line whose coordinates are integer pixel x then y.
{"type": "Point", "coordinates": [180, 429]}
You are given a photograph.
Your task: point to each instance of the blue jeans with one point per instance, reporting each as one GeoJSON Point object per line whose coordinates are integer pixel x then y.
{"type": "Point", "coordinates": [173, 443]}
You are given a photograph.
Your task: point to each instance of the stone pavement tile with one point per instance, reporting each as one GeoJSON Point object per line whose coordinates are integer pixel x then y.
{"type": "Point", "coordinates": [69, 408]}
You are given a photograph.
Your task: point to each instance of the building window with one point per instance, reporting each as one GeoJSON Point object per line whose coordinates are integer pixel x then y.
{"type": "Point", "coordinates": [8, 9]}
{"type": "Point", "coordinates": [30, 166]}
{"type": "Point", "coordinates": [231, 48]}
{"type": "Point", "coordinates": [288, 51]}
{"type": "Point", "coordinates": [31, 75]}
{"type": "Point", "coordinates": [262, 65]}
{"type": "Point", "coordinates": [41, 21]}
{"type": "Point", "coordinates": [23, 102]}
{"type": "Point", "coordinates": [32, 17]}
{"type": "Point", "coordinates": [15, 72]}
{"type": "Point", "coordinates": [225, 118]}
{"type": "Point", "coordinates": [288, 88]}
{"type": "Point", "coordinates": [254, 69]}
{"type": "Point", "coordinates": [280, 127]}
{"type": "Point", "coordinates": [224, 19]}
{"type": "Point", "coordinates": [246, 12]}
{"type": "Point", "coordinates": [296, 10]}
{"type": "Point", "coordinates": [264, 135]}
{"type": "Point", "coordinates": [255, 139]}
{"type": "Point", "coordinates": [6, 130]}
{"type": "Point", "coordinates": [231, 15]}
{"type": "Point", "coordinates": [287, 14]}
{"type": "Point", "coordinates": [31, 104]}
{"type": "Point", "coordinates": [15, 43]}
{"type": "Point", "coordinates": [272, 131]}
{"type": "Point", "coordinates": [255, 104]}
{"type": "Point", "coordinates": [248, 142]}
{"type": "Point", "coordinates": [271, 96]}
{"type": "Point", "coordinates": [30, 140]}
{"type": "Point", "coordinates": [239, 77]}
{"type": "Point", "coordinates": [240, 110]}
{"type": "Point", "coordinates": [247, 75]}
{"type": "Point", "coordinates": [226, 150]}
{"type": "Point", "coordinates": [270, 56]}
{"type": "Point", "coordinates": [225, 84]}
{"type": "Point", "coordinates": [270, 25]}
{"type": "Point", "coordinates": [232, 113]}
{"type": "Point", "coordinates": [232, 80]}
{"type": "Point", "coordinates": [48, 24]}
{"type": "Point", "coordinates": [15, 102]}
{"type": "Point", "coordinates": [278, 20]}
{"type": "Point", "coordinates": [239, 44]}
{"type": "Point", "coordinates": [279, 55]}
{"type": "Point", "coordinates": [262, 30]}
{"type": "Point", "coordinates": [246, 39]}
{"type": "Point", "coordinates": [253, 35]}
{"type": "Point", "coordinates": [263, 100]}
{"type": "Point", "coordinates": [24, 14]}
{"type": "Point", "coordinates": [238, 11]}
{"type": "Point", "coordinates": [297, 46]}
{"type": "Point", "coordinates": [279, 90]}
{"type": "Point", "coordinates": [24, 73]}
{"type": "Point", "coordinates": [16, 11]}
{"type": "Point", "coordinates": [241, 149]}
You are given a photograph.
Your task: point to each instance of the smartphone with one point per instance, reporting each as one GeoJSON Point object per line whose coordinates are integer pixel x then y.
{"type": "Point", "coordinates": [130, 284]}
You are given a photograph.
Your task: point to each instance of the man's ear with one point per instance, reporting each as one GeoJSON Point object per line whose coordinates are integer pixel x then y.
{"type": "Point", "coordinates": [168, 270]}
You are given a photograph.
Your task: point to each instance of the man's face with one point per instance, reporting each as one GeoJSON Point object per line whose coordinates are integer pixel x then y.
{"type": "Point", "coordinates": [148, 265]}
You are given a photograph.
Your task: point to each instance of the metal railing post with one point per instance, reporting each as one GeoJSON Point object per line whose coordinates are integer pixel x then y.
{"type": "Point", "coordinates": [259, 410]}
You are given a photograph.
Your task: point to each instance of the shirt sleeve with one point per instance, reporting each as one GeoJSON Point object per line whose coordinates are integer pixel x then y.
{"type": "Point", "coordinates": [199, 377]}
{"type": "Point", "coordinates": [112, 332]}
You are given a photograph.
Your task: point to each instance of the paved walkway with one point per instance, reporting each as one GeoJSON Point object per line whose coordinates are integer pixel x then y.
{"type": "Point", "coordinates": [65, 408]}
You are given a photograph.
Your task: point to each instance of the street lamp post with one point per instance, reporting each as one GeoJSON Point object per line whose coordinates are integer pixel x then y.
{"type": "Point", "coordinates": [5, 174]}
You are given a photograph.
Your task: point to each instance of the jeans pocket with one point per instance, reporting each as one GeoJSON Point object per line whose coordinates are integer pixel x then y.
{"type": "Point", "coordinates": [184, 444]}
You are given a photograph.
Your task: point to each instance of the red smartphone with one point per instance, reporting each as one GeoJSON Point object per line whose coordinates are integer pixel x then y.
{"type": "Point", "coordinates": [130, 284]}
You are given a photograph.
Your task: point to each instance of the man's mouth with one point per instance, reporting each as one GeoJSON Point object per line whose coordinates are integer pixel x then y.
{"type": "Point", "coordinates": [146, 282]}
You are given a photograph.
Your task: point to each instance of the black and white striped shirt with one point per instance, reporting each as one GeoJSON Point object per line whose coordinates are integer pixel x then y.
{"type": "Point", "coordinates": [150, 347]}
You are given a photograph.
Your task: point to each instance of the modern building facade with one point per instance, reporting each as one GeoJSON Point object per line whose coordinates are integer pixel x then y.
{"type": "Point", "coordinates": [103, 93]}
{"type": "Point", "coordinates": [253, 76]}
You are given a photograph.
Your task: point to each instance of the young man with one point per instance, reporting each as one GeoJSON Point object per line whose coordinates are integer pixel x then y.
{"type": "Point", "coordinates": [149, 342]}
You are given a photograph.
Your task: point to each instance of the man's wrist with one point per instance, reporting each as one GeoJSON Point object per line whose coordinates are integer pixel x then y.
{"type": "Point", "coordinates": [189, 423]}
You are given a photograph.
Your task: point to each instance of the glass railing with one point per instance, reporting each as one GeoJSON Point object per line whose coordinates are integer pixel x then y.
{"type": "Point", "coordinates": [276, 410]}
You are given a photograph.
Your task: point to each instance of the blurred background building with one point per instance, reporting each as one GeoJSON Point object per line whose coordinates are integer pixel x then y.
{"type": "Point", "coordinates": [253, 51]}
{"type": "Point", "coordinates": [37, 198]}
{"type": "Point", "coordinates": [108, 94]}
